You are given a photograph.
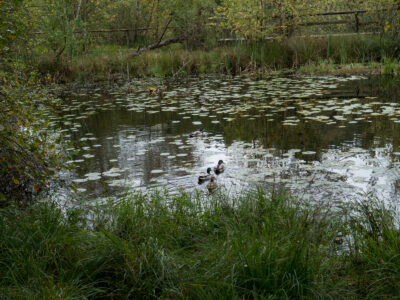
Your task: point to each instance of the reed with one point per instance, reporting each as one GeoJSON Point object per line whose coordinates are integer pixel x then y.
{"type": "Point", "coordinates": [194, 246]}
{"type": "Point", "coordinates": [309, 55]}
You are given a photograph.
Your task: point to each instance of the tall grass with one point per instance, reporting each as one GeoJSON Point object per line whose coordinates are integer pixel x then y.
{"type": "Point", "coordinates": [110, 62]}
{"type": "Point", "coordinates": [192, 246]}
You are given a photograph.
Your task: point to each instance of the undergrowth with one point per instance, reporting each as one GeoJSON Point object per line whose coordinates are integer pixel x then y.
{"type": "Point", "coordinates": [332, 55]}
{"type": "Point", "coordinates": [191, 246]}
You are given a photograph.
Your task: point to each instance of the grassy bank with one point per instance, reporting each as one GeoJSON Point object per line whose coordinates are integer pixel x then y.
{"type": "Point", "coordinates": [331, 55]}
{"type": "Point", "coordinates": [256, 246]}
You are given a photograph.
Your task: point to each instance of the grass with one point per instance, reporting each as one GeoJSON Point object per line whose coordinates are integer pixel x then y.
{"type": "Point", "coordinates": [191, 246]}
{"type": "Point", "coordinates": [389, 66]}
{"type": "Point", "coordinates": [332, 55]}
{"type": "Point", "coordinates": [323, 67]}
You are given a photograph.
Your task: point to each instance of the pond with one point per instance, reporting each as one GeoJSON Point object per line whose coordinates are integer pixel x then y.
{"type": "Point", "coordinates": [325, 138]}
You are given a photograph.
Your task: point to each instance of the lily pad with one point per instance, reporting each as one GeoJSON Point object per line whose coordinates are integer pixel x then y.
{"type": "Point", "coordinates": [157, 171]}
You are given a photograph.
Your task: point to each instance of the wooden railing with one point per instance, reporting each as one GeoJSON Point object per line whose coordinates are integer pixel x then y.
{"type": "Point", "coordinates": [114, 30]}
{"type": "Point", "coordinates": [356, 20]}
{"type": "Point", "coordinates": [287, 24]}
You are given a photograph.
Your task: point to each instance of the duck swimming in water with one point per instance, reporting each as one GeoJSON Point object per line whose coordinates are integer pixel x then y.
{"type": "Point", "coordinates": [220, 167]}
{"type": "Point", "coordinates": [212, 185]}
{"type": "Point", "coordinates": [199, 132]}
{"type": "Point", "coordinates": [206, 176]}
{"type": "Point", "coordinates": [155, 91]}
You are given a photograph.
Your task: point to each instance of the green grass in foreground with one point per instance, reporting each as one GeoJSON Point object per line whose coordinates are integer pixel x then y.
{"type": "Point", "coordinates": [255, 246]}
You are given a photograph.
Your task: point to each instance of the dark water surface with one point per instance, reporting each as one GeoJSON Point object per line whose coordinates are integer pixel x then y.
{"type": "Point", "coordinates": [323, 137]}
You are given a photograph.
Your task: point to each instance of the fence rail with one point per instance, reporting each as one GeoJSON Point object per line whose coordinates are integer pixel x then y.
{"type": "Point", "coordinates": [114, 30]}
{"type": "Point", "coordinates": [316, 36]}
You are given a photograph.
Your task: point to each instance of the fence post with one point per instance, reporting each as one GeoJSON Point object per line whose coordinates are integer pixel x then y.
{"type": "Point", "coordinates": [127, 37]}
{"type": "Point", "coordinates": [357, 22]}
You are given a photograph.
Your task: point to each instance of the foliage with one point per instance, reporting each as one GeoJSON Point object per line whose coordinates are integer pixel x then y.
{"type": "Point", "coordinates": [15, 25]}
{"type": "Point", "coordinates": [258, 19]}
{"type": "Point", "coordinates": [189, 246]}
{"type": "Point", "coordinates": [65, 36]}
{"type": "Point", "coordinates": [30, 152]}
{"type": "Point", "coordinates": [65, 23]}
{"type": "Point", "coordinates": [157, 245]}
{"type": "Point", "coordinates": [60, 21]}
{"type": "Point", "coordinates": [361, 55]}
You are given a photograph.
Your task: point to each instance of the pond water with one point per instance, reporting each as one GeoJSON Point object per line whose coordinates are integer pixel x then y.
{"type": "Point", "coordinates": [326, 138]}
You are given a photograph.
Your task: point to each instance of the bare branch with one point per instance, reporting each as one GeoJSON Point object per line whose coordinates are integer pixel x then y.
{"type": "Point", "coordinates": [177, 39]}
{"type": "Point", "coordinates": [165, 29]}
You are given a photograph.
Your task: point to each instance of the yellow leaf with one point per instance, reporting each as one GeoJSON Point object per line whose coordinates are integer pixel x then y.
{"type": "Point", "coordinates": [16, 181]}
{"type": "Point", "coordinates": [19, 122]}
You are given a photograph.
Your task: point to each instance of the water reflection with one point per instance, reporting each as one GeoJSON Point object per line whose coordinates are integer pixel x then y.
{"type": "Point", "coordinates": [326, 138]}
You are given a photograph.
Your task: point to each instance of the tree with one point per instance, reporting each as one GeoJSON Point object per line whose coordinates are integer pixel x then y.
{"type": "Point", "coordinates": [258, 19]}
{"type": "Point", "coordinates": [60, 20]}
{"type": "Point", "coordinates": [15, 24]}
{"type": "Point", "coordinates": [28, 152]}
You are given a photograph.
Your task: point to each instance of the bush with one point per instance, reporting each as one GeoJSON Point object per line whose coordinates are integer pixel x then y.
{"type": "Point", "coordinates": [30, 152]}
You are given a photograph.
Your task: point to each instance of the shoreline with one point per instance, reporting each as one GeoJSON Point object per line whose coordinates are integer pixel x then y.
{"type": "Point", "coordinates": [156, 245]}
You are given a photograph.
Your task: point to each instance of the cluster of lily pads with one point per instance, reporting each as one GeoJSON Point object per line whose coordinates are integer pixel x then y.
{"type": "Point", "coordinates": [129, 138]}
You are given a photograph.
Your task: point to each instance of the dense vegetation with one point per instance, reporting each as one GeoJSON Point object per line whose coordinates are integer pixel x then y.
{"type": "Point", "coordinates": [87, 40]}
{"type": "Point", "coordinates": [30, 153]}
{"type": "Point", "coordinates": [257, 246]}
{"type": "Point", "coordinates": [335, 55]}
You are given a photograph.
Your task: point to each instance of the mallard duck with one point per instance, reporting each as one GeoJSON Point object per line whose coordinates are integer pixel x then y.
{"type": "Point", "coordinates": [205, 176]}
{"type": "Point", "coordinates": [220, 167]}
{"type": "Point", "coordinates": [199, 132]}
{"type": "Point", "coordinates": [212, 185]}
{"type": "Point", "coordinates": [153, 91]}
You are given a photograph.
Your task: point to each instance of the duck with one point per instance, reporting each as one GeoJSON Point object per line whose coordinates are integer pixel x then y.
{"type": "Point", "coordinates": [205, 176]}
{"type": "Point", "coordinates": [199, 132]}
{"type": "Point", "coordinates": [220, 167]}
{"type": "Point", "coordinates": [153, 91]}
{"type": "Point", "coordinates": [212, 185]}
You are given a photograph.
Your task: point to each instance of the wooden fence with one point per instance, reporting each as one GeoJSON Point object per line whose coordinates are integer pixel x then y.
{"type": "Point", "coordinates": [287, 27]}
{"type": "Point", "coordinates": [356, 21]}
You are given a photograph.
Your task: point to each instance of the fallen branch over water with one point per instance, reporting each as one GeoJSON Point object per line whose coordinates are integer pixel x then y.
{"type": "Point", "coordinates": [177, 39]}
